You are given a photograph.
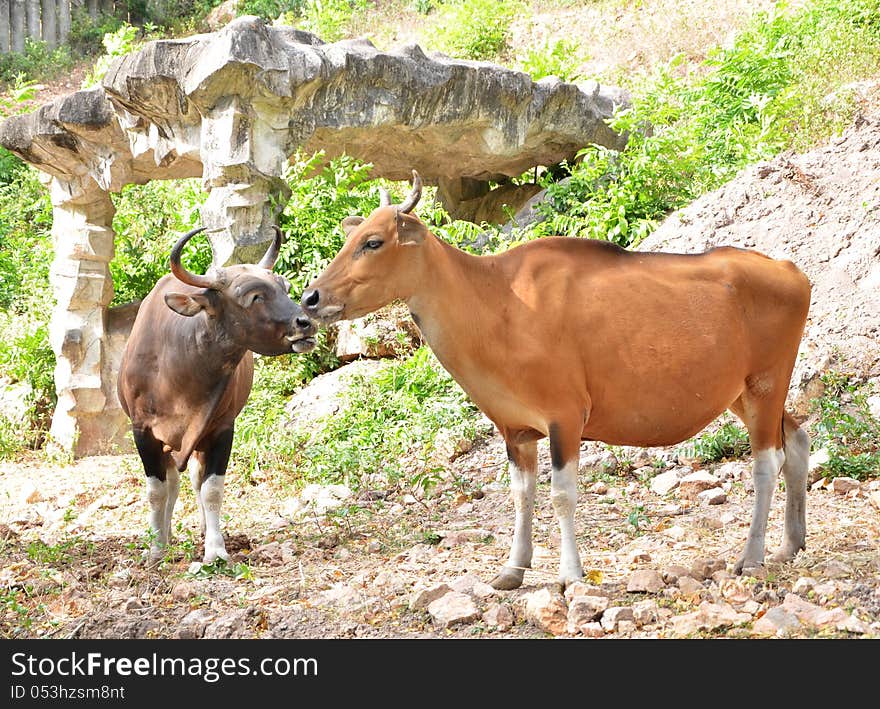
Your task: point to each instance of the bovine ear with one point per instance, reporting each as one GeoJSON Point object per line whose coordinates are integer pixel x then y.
{"type": "Point", "coordinates": [410, 231]}
{"type": "Point", "coordinates": [349, 224]}
{"type": "Point", "coordinates": [189, 305]}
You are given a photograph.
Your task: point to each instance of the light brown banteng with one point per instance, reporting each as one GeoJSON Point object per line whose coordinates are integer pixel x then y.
{"type": "Point", "coordinates": [578, 339]}
{"type": "Point", "coordinates": [187, 371]}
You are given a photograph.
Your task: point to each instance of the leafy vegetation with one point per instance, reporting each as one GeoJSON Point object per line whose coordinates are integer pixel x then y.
{"type": "Point", "coordinates": [729, 441]}
{"type": "Point", "coordinates": [846, 427]}
{"type": "Point", "coordinates": [474, 29]}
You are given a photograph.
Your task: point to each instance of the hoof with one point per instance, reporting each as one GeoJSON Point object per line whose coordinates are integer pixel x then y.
{"type": "Point", "coordinates": [753, 568]}
{"type": "Point", "coordinates": [154, 557]}
{"type": "Point", "coordinates": [211, 555]}
{"type": "Point", "coordinates": [508, 579]}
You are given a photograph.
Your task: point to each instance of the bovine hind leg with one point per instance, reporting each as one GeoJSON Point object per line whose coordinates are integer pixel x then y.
{"type": "Point", "coordinates": [216, 460]}
{"type": "Point", "coordinates": [172, 482]}
{"type": "Point", "coordinates": [565, 456]}
{"type": "Point", "coordinates": [763, 420]}
{"type": "Point", "coordinates": [155, 466]}
{"type": "Point", "coordinates": [523, 468]}
{"type": "Point", "coordinates": [794, 470]}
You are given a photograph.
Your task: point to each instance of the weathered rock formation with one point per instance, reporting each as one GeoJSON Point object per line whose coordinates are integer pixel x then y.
{"type": "Point", "coordinates": [232, 107]}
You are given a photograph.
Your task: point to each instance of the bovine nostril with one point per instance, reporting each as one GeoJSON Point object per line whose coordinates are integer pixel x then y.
{"type": "Point", "coordinates": [303, 323]}
{"type": "Point", "coordinates": [311, 298]}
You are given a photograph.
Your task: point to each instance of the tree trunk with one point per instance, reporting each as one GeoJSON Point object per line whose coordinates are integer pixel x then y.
{"type": "Point", "coordinates": [63, 20]}
{"type": "Point", "coordinates": [4, 26]}
{"type": "Point", "coordinates": [17, 25]}
{"type": "Point", "coordinates": [92, 6]}
{"type": "Point", "coordinates": [49, 35]}
{"type": "Point", "coordinates": [32, 7]}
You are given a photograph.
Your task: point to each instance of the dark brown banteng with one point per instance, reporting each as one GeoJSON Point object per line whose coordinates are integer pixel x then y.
{"type": "Point", "coordinates": [187, 372]}
{"type": "Point", "coordinates": [581, 340]}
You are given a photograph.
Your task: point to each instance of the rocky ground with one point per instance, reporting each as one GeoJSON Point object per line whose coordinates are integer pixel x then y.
{"type": "Point", "coordinates": [657, 548]}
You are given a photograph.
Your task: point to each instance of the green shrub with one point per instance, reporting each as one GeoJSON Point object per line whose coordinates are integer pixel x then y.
{"type": "Point", "coordinates": [329, 19]}
{"type": "Point", "coordinates": [474, 29]}
{"type": "Point", "coordinates": [729, 441]}
{"type": "Point", "coordinates": [321, 198]}
{"type": "Point", "coordinates": [559, 58]}
{"type": "Point", "coordinates": [37, 61]}
{"type": "Point", "coordinates": [148, 221]}
{"type": "Point", "coordinates": [271, 9]}
{"type": "Point", "coordinates": [847, 428]}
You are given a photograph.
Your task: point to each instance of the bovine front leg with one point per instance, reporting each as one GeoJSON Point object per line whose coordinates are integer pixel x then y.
{"type": "Point", "coordinates": [196, 469]}
{"type": "Point", "coordinates": [523, 469]}
{"type": "Point", "coordinates": [565, 456]}
{"type": "Point", "coordinates": [172, 481]}
{"type": "Point", "coordinates": [216, 460]}
{"type": "Point", "coordinates": [155, 466]}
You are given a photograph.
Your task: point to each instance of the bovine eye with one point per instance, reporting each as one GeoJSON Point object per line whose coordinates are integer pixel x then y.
{"type": "Point", "coordinates": [258, 298]}
{"type": "Point", "coordinates": [373, 244]}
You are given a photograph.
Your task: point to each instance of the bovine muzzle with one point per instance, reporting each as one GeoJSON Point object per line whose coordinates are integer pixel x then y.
{"type": "Point", "coordinates": [302, 338]}
{"type": "Point", "coordinates": [319, 307]}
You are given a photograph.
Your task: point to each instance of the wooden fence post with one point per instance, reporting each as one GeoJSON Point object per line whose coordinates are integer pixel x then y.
{"type": "Point", "coordinates": [33, 19]}
{"type": "Point", "coordinates": [17, 25]}
{"type": "Point", "coordinates": [4, 26]}
{"type": "Point", "coordinates": [50, 36]}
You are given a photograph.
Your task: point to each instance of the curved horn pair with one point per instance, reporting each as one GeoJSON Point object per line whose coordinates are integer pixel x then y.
{"type": "Point", "coordinates": [412, 199]}
{"type": "Point", "coordinates": [192, 279]}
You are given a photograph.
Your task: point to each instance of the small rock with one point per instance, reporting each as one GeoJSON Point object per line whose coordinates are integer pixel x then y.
{"type": "Point", "coordinates": [579, 588]}
{"type": "Point", "coordinates": [184, 590]}
{"type": "Point", "coordinates": [613, 615]}
{"type": "Point", "coordinates": [626, 627]}
{"type": "Point", "coordinates": [342, 554]}
{"type": "Point", "coordinates": [119, 579]}
{"type": "Point", "coordinates": [803, 585]}
{"type": "Point", "coordinates": [423, 597]}
{"type": "Point", "coordinates": [710, 616]}
{"type": "Point", "coordinates": [833, 569]}
{"type": "Point", "coordinates": [645, 581]}
{"type": "Point", "coordinates": [689, 586]}
{"type": "Point", "coordinates": [547, 611]}
{"type": "Point", "coordinates": [465, 583]}
{"type": "Point", "coordinates": [843, 485]}
{"type": "Point", "coordinates": [409, 499]}
{"type": "Point", "coordinates": [664, 483]}
{"type": "Point", "coordinates": [598, 488]}
{"type": "Point", "coordinates": [638, 556]}
{"type": "Point", "coordinates": [692, 485]}
{"type": "Point", "coordinates": [874, 499]}
{"type": "Point", "coordinates": [805, 611]}
{"type": "Point", "coordinates": [374, 547]}
{"type": "Point", "coordinates": [675, 532]}
{"type": "Point", "coordinates": [818, 459]}
{"type": "Point", "coordinates": [453, 609]}
{"type": "Point", "coordinates": [704, 568]}
{"type": "Point", "coordinates": [728, 471]}
{"type": "Point", "coordinates": [671, 574]}
{"type": "Point", "coordinates": [776, 622]}
{"type": "Point", "coordinates": [645, 612]}
{"type": "Point", "coordinates": [592, 630]}
{"type": "Point", "coordinates": [498, 616]}
{"type": "Point", "coordinates": [714, 496]}
{"type": "Point", "coordinates": [133, 604]}
{"type": "Point", "coordinates": [583, 610]}
{"type": "Point", "coordinates": [269, 553]}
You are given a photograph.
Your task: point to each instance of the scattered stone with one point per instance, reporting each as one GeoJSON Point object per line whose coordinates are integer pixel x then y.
{"type": "Point", "coordinates": [715, 496]}
{"type": "Point", "coordinates": [729, 471]}
{"type": "Point", "coordinates": [675, 532]}
{"type": "Point", "coordinates": [638, 556]}
{"type": "Point", "coordinates": [193, 624]}
{"type": "Point", "coordinates": [664, 483]}
{"type": "Point", "coordinates": [645, 612]}
{"type": "Point", "coordinates": [805, 611]}
{"type": "Point", "coordinates": [119, 579]}
{"type": "Point", "coordinates": [184, 590]}
{"type": "Point", "coordinates": [498, 616]}
{"type": "Point", "coordinates": [704, 568]}
{"type": "Point", "coordinates": [613, 615]}
{"type": "Point", "coordinates": [269, 553]}
{"type": "Point", "coordinates": [317, 499]}
{"type": "Point", "coordinates": [833, 569]}
{"type": "Point", "coordinates": [692, 485]}
{"type": "Point", "coordinates": [583, 610]}
{"type": "Point", "coordinates": [843, 485]}
{"type": "Point", "coordinates": [547, 611]}
{"type": "Point", "coordinates": [874, 499]}
{"type": "Point", "coordinates": [645, 581]}
{"type": "Point", "coordinates": [818, 459]}
{"type": "Point", "coordinates": [423, 597]}
{"type": "Point", "coordinates": [463, 536]}
{"type": "Point", "coordinates": [465, 583]}
{"type": "Point", "coordinates": [133, 604]}
{"type": "Point", "coordinates": [776, 622]}
{"type": "Point", "coordinates": [626, 627]}
{"type": "Point", "coordinates": [671, 574]}
{"type": "Point", "coordinates": [709, 616]}
{"type": "Point", "coordinates": [579, 588]}
{"type": "Point", "coordinates": [235, 624]}
{"type": "Point", "coordinates": [803, 585]}
{"type": "Point", "coordinates": [453, 609]}
{"type": "Point", "coordinates": [592, 630]}
{"type": "Point", "coordinates": [599, 488]}
{"type": "Point", "coordinates": [689, 586]}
